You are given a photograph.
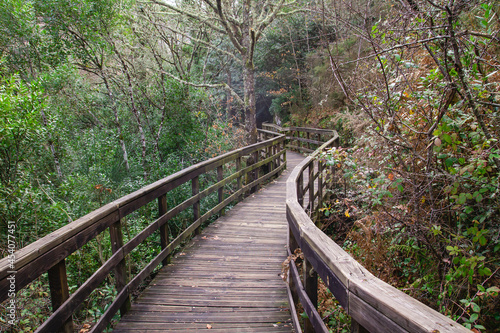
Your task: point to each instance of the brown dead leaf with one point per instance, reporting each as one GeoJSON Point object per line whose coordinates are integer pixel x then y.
{"type": "Point", "coordinates": [209, 326]}
{"type": "Point", "coordinates": [85, 328]}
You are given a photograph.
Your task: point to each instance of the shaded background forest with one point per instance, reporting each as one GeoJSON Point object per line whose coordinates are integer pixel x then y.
{"type": "Point", "coordinates": [95, 103]}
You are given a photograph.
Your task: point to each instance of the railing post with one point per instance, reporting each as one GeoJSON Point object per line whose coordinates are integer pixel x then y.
{"type": "Point", "coordinates": [220, 176]}
{"type": "Point", "coordinates": [269, 154]}
{"type": "Point", "coordinates": [308, 136]}
{"type": "Point", "coordinates": [255, 172]}
{"type": "Point", "coordinates": [300, 189]}
{"type": "Point", "coordinates": [164, 239]}
{"type": "Point", "coordinates": [278, 150]}
{"type": "Point", "coordinates": [195, 184]}
{"type": "Point", "coordinates": [59, 292]}
{"type": "Point", "coordinates": [292, 245]}
{"type": "Point", "coordinates": [238, 179]}
{"type": "Point", "coordinates": [311, 288]}
{"type": "Point", "coordinates": [116, 236]}
{"type": "Point", "coordinates": [320, 186]}
{"type": "Point", "coordinates": [311, 188]}
{"type": "Point", "coordinates": [357, 328]}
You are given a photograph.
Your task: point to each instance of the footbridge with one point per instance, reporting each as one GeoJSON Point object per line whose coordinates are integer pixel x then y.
{"type": "Point", "coordinates": [223, 270]}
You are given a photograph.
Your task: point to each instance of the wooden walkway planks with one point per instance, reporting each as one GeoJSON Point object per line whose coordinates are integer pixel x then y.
{"type": "Point", "coordinates": [228, 278]}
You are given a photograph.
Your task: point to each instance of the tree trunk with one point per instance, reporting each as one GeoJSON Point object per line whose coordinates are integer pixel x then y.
{"type": "Point", "coordinates": [230, 112]}
{"type": "Point", "coordinates": [249, 99]}
{"type": "Point", "coordinates": [51, 144]}
{"type": "Point", "coordinates": [117, 121]}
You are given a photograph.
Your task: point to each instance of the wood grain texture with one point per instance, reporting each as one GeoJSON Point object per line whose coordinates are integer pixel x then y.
{"type": "Point", "coordinates": [372, 304]}
{"type": "Point", "coordinates": [228, 277]}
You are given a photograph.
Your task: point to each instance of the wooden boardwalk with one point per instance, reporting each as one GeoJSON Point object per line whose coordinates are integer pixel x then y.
{"type": "Point", "coordinates": [228, 278]}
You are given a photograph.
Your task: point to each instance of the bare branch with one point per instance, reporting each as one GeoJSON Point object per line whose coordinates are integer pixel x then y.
{"type": "Point", "coordinates": [206, 85]}
{"type": "Point", "coordinates": [204, 20]}
{"type": "Point", "coordinates": [229, 32]}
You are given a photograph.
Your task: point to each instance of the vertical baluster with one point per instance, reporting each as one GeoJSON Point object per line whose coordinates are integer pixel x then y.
{"type": "Point", "coordinates": [357, 328]}
{"type": "Point", "coordinates": [116, 235]}
{"type": "Point", "coordinates": [278, 149]}
{"type": "Point", "coordinates": [320, 187]}
{"type": "Point", "coordinates": [269, 154]}
{"type": "Point", "coordinates": [300, 189]}
{"type": "Point", "coordinates": [59, 291]}
{"type": "Point", "coordinates": [284, 154]}
{"type": "Point", "coordinates": [195, 184]}
{"type": "Point", "coordinates": [220, 176]}
{"type": "Point", "coordinates": [164, 238]}
{"type": "Point", "coordinates": [238, 179]}
{"type": "Point", "coordinates": [311, 188]}
{"type": "Point", "coordinates": [255, 171]}
{"type": "Point", "coordinates": [311, 288]}
{"type": "Point", "coordinates": [292, 245]}
{"type": "Point", "coordinates": [308, 136]}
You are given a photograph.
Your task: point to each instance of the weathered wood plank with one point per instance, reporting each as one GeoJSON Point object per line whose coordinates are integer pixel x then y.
{"type": "Point", "coordinates": [231, 270]}
{"type": "Point", "coordinates": [373, 304]}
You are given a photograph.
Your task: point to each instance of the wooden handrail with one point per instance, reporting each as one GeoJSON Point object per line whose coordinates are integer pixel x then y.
{"type": "Point", "coordinates": [303, 139]}
{"type": "Point", "coordinates": [49, 253]}
{"type": "Point", "coordinates": [374, 306]}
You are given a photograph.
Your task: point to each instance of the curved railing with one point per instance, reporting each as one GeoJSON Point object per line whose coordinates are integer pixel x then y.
{"type": "Point", "coordinates": [248, 167]}
{"type": "Point", "coordinates": [374, 306]}
{"type": "Point", "coordinates": [303, 139]}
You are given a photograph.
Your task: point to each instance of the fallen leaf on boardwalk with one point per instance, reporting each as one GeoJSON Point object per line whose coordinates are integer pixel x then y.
{"type": "Point", "coordinates": [85, 328]}
{"type": "Point", "coordinates": [204, 237]}
{"type": "Point", "coordinates": [216, 238]}
{"type": "Point", "coordinates": [182, 254]}
{"type": "Point", "coordinates": [209, 326]}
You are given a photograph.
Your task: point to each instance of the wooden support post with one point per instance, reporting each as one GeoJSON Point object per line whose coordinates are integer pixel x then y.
{"type": "Point", "coordinates": [357, 328]}
{"type": "Point", "coordinates": [270, 166]}
{"type": "Point", "coordinates": [311, 188]}
{"type": "Point", "coordinates": [284, 154]}
{"type": "Point", "coordinates": [320, 188]}
{"type": "Point", "coordinates": [308, 135]}
{"type": "Point", "coordinates": [292, 245]}
{"type": "Point", "coordinates": [238, 180]}
{"type": "Point", "coordinates": [164, 239]}
{"type": "Point", "coordinates": [278, 149]}
{"type": "Point", "coordinates": [300, 190]}
{"type": "Point", "coordinates": [274, 163]}
{"type": "Point", "coordinates": [116, 236]}
{"type": "Point", "coordinates": [220, 176]}
{"type": "Point", "coordinates": [311, 288]}
{"type": "Point", "coordinates": [59, 292]}
{"type": "Point", "coordinates": [255, 173]}
{"type": "Point", "coordinates": [195, 184]}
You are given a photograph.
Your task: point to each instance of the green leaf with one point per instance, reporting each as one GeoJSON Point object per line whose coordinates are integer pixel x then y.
{"type": "Point", "coordinates": [473, 317]}
{"type": "Point", "coordinates": [462, 198]}
{"type": "Point", "coordinates": [446, 138]}
{"type": "Point", "coordinates": [475, 307]}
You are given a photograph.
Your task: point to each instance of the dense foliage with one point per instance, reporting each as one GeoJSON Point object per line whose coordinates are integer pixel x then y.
{"type": "Point", "coordinates": [421, 182]}
{"type": "Point", "coordinates": [86, 117]}
{"type": "Point", "coordinates": [101, 97]}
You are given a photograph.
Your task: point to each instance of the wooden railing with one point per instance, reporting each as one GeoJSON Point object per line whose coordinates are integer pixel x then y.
{"type": "Point", "coordinates": [374, 306]}
{"type": "Point", "coordinates": [50, 252]}
{"type": "Point", "coordinates": [302, 139]}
